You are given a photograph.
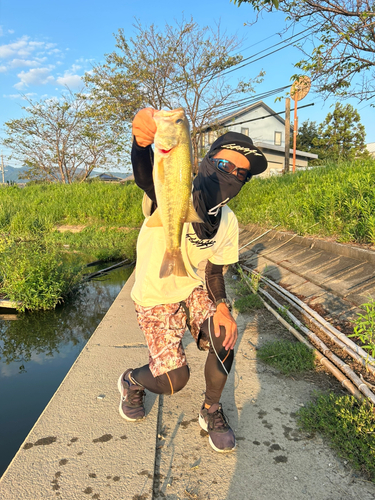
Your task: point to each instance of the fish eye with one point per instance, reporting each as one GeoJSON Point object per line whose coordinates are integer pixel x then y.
{"type": "Point", "coordinates": [179, 121]}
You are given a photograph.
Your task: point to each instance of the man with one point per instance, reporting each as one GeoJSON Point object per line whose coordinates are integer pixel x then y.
{"type": "Point", "coordinates": [166, 306]}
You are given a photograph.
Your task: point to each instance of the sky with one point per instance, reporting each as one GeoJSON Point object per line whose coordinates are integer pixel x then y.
{"type": "Point", "coordinates": [47, 45]}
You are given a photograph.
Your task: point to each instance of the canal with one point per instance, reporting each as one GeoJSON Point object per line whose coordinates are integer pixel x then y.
{"type": "Point", "coordinates": [37, 350]}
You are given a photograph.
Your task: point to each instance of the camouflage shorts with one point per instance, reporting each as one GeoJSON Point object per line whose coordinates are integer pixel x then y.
{"type": "Point", "coordinates": [165, 325]}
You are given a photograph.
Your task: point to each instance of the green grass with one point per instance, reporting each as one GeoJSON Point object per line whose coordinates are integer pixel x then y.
{"type": "Point", "coordinates": [336, 201]}
{"type": "Point", "coordinates": [39, 265]}
{"type": "Point", "coordinates": [39, 208]}
{"type": "Point", "coordinates": [348, 425]}
{"type": "Point", "coordinates": [288, 357]}
{"type": "Point", "coordinates": [248, 303]}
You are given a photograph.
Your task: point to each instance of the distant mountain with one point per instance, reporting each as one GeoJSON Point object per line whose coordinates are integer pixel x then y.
{"type": "Point", "coordinates": [11, 174]}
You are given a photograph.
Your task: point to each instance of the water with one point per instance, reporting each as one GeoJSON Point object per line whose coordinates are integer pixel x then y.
{"type": "Point", "coordinates": [37, 351]}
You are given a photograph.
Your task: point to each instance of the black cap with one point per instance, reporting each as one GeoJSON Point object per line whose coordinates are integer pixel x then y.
{"type": "Point", "coordinates": [244, 145]}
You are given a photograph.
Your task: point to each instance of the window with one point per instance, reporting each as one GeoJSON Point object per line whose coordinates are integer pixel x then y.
{"type": "Point", "coordinates": [278, 138]}
{"type": "Point", "coordinates": [245, 131]}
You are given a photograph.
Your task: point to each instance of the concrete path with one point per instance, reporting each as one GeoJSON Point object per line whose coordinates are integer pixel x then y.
{"type": "Point", "coordinates": [81, 448]}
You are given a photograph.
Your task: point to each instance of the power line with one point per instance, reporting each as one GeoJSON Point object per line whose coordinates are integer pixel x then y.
{"type": "Point", "coordinates": [246, 101]}
{"type": "Point", "coordinates": [262, 57]}
{"type": "Point", "coordinates": [234, 68]}
{"type": "Point", "coordinates": [273, 114]}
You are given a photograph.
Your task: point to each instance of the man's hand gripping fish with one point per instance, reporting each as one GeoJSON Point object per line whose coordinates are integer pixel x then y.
{"type": "Point", "coordinates": [172, 176]}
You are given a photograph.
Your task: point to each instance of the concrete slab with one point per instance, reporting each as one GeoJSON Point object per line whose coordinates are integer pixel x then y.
{"type": "Point", "coordinates": [81, 447]}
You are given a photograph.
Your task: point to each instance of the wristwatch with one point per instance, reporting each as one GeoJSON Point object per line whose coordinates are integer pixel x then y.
{"type": "Point", "coordinates": [226, 302]}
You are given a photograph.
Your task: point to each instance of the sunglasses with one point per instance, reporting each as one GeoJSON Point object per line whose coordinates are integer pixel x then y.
{"type": "Point", "coordinates": [243, 174]}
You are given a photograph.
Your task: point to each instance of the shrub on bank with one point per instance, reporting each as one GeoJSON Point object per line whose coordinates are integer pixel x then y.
{"type": "Point", "coordinates": [36, 275]}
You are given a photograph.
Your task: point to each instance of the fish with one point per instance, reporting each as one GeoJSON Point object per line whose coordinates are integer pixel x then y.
{"type": "Point", "coordinates": [172, 175]}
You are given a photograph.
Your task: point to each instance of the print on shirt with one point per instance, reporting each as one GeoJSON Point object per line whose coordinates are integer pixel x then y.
{"type": "Point", "coordinates": [194, 240]}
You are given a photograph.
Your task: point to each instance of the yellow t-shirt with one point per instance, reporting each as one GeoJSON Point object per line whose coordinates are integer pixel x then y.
{"type": "Point", "coordinates": [149, 290]}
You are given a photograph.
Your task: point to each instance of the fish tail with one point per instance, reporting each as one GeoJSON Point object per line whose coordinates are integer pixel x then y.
{"type": "Point", "coordinates": [172, 264]}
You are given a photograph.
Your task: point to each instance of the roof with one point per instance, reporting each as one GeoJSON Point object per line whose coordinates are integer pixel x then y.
{"type": "Point", "coordinates": [371, 147]}
{"type": "Point", "coordinates": [281, 149]}
{"type": "Point", "coordinates": [242, 111]}
{"type": "Point", "coordinates": [108, 177]}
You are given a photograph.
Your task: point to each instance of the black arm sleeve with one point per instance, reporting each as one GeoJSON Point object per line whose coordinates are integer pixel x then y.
{"type": "Point", "coordinates": [142, 161]}
{"type": "Point", "coordinates": [215, 282]}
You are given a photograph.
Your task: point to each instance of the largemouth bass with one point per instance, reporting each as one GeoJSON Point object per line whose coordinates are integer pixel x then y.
{"type": "Point", "coordinates": [172, 176]}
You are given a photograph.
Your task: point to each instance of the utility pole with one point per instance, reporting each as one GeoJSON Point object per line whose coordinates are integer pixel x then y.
{"type": "Point", "coordinates": [2, 168]}
{"type": "Point", "coordinates": [299, 90]}
{"type": "Point", "coordinates": [287, 134]}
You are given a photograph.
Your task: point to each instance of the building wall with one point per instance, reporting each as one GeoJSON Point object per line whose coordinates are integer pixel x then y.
{"type": "Point", "coordinates": [262, 130]}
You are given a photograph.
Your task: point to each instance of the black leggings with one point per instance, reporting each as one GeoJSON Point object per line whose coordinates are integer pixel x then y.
{"type": "Point", "coordinates": [215, 371]}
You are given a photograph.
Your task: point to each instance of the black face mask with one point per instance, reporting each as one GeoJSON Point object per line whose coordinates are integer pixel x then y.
{"type": "Point", "coordinates": [212, 189]}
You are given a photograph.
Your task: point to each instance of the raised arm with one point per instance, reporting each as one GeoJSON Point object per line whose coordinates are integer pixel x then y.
{"type": "Point", "coordinates": [142, 155]}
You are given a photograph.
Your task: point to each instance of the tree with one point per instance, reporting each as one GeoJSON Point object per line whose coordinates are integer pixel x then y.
{"type": "Point", "coordinates": [63, 140]}
{"type": "Point", "coordinates": [341, 135]}
{"type": "Point", "coordinates": [342, 60]}
{"type": "Point", "coordinates": [180, 66]}
{"type": "Point", "coordinates": [307, 132]}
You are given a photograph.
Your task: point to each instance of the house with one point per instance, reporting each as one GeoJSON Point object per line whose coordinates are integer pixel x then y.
{"type": "Point", "coordinates": [267, 130]}
{"type": "Point", "coordinates": [371, 148]}
{"type": "Point", "coordinates": [106, 177]}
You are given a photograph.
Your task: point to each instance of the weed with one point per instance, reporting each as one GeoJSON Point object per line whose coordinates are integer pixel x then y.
{"type": "Point", "coordinates": [349, 426]}
{"type": "Point", "coordinates": [255, 279]}
{"type": "Point", "coordinates": [283, 313]}
{"type": "Point", "coordinates": [288, 357]}
{"type": "Point", "coordinates": [248, 303]}
{"type": "Point", "coordinates": [365, 327]}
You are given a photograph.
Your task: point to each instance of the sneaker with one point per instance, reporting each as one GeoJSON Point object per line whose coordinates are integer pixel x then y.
{"type": "Point", "coordinates": [221, 436]}
{"type": "Point", "coordinates": [131, 404]}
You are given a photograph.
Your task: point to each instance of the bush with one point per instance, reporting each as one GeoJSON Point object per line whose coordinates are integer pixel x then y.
{"type": "Point", "coordinates": [36, 275]}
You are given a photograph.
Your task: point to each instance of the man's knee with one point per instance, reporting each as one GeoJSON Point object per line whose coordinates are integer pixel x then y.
{"type": "Point", "coordinates": [178, 378]}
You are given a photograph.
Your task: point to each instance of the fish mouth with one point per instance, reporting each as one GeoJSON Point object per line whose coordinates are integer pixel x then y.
{"type": "Point", "coordinates": [164, 151]}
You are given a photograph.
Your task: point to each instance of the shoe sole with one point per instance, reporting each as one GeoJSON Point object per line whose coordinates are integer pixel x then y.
{"type": "Point", "coordinates": [119, 386]}
{"type": "Point", "coordinates": [203, 424]}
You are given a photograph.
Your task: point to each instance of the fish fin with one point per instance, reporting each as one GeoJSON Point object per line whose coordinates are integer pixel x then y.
{"type": "Point", "coordinates": [154, 220]}
{"type": "Point", "coordinates": [172, 264]}
{"type": "Point", "coordinates": [191, 215]}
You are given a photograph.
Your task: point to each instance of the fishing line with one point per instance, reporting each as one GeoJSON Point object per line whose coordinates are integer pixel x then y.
{"type": "Point", "coordinates": [213, 345]}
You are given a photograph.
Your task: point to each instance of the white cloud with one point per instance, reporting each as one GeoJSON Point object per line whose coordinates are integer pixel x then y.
{"type": "Point", "coordinates": [22, 63]}
{"type": "Point", "coordinates": [24, 48]}
{"type": "Point", "coordinates": [35, 76]}
{"type": "Point", "coordinates": [11, 32]}
{"type": "Point", "coordinates": [2, 69]}
{"type": "Point", "coordinates": [20, 96]}
{"type": "Point", "coordinates": [69, 79]}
